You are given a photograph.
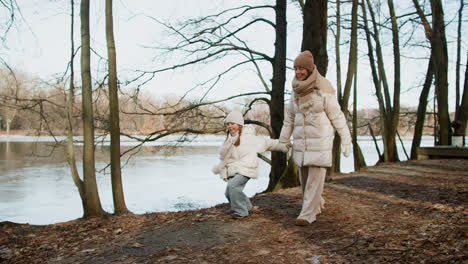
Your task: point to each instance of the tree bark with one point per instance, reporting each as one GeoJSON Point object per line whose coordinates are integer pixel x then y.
{"type": "Point", "coordinates": [439, 48]}
{"type": "Point", "coordinates": [352, 63]}
{"type": "Point", "coordinates": [314, 35]}
{"type": "Point", "coordinates": [336, 155]}
{"type": "Point", "coordinates": [463, 117]}
{"type": "Point", "coordinates": [116, 177]}
{"type": "Point", "coordinates": [395, 109]}
{"type": "Point", "coordinates": [359, 161]}
{"type": "Point", "coordinates": [421, 112]}
{"type": "Point", "coordinates": [457, 65]}
{"type": "Point", "coordinates": [70, 150]}
{"type": "Point", "coordinates": [314, 39]}
{"type": "Point", "coordinates": [378, 75]}
{"type": "Point", "coordinates": [93, 204]}
{"type": "Point", "coordinates": [278, 159]}
{"type": "Point", "coordinates": [337, 50]}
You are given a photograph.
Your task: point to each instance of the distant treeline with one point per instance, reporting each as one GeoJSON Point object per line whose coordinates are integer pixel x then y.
{"type": "Point", "coordinates": [37, 108]}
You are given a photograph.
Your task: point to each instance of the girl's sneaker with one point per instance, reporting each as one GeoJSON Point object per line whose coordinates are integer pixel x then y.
{"type": "Point", "coordinates": [237, 216]}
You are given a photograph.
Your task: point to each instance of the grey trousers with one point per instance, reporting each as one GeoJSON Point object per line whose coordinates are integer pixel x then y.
{"type": "Point", "coordinates": [240, 203]}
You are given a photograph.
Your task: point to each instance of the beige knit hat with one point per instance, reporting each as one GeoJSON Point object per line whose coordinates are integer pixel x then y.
{"type": "Point", "coordinates": [305, 60]}
{"type": "Point", "coordinates": [235, 117]}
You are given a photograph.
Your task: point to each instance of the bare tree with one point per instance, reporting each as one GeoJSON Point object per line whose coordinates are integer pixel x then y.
{"type": "Point", "coordinates": [359, 161]}
{"type": "Point", "coordinates": [421, 112]}
{"type": "Point", "coordinates": [423, 98]}
{"type": "Point", "coordinates": [463, 117]}
{"type": "Point", "coordinates": [12, 9]}
{"type": "Point", "coordinates": [337, 49]}
{"type": "Point", "coordinates": [376, 65]}
{"type": "Point", "coordinates": [9, 94]}
{"type": "Point", "coordinates": [336, 155]}
{"type": "Point", "coordinates": [440, 57]}
{"type": "Point", "coordinates": [70, 150]}
{"type": "Point", "coordinates": [116, 177]}
{"type": "Point", "coordinates": [350, 76]}
{"type": "Point", "coordinates": [93, 206]}
{"type": "Point", "coordinates": [217, 36]}
{"type": "Point", "coordinates": [314, 34]}
{"type": "Point", "coordinates": [343, 98]}
{"type": "Point", "coordinates": [395, 109]}
{"type": "Point", "coordinates": [389, 114]}
{"type": "Point", "coordinates": [314, 39]}
{"type": "Point", "coordinates": [278, 159]}
{"type": "Point", "coordinates": [457, 65]}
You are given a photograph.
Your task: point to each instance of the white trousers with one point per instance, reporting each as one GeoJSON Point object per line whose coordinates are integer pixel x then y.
{"type": "Point", "coordinates": [312, 181]}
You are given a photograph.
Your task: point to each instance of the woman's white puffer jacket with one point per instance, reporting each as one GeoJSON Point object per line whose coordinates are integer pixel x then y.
{"type": "Point", "coordinates": [313, 131]}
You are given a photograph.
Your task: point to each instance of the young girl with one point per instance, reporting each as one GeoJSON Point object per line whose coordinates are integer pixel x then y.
{"type": "Point", "coordinates": [239, 160]}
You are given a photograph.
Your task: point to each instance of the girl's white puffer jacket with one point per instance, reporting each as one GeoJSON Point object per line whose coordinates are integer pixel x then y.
{"type": "Point", "coordinates": [313, 131]}
{"type": "Point", "coordinates": [243, 158]}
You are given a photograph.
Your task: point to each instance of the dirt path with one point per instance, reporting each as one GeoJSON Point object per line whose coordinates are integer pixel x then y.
{"type": "Point", "coordinates": [410, 212]}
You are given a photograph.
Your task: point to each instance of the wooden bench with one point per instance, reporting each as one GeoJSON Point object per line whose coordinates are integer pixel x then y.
{"type": "Point", "coordinates": [440, 152]}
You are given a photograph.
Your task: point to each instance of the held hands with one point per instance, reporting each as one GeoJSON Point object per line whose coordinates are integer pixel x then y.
{"type": "Point", "coordinates": [346, 149]}
{"type": "Point", "coordinates": [284, 146]}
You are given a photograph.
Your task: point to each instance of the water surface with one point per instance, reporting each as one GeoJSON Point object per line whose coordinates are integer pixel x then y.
{"type": "Point", "coordinates": [36, 185]}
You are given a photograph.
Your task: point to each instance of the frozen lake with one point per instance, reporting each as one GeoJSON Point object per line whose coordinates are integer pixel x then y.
{"type": "Point", "coordinates": [36, 185]}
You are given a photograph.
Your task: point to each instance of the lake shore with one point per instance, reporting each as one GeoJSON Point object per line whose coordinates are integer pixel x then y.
{"type": "Point", "coordinates": [413, 211]}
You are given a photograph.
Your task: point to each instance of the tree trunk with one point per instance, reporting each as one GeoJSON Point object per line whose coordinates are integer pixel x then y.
{"type": "Point", "coordinates": [314, 35]}
{"type": "Point", "coordinates": [378, 75]}
{"type": "Point", "coordinates": [347, 88]}
{"type": "Point", "coordinates": [439, 48]}
{"type": "Point", "coordinates": [93, 204]}
{"type": "Point", "coordinates": [352, 59]}
{"type": "Point", "coordinates": [337, 50]}
{"type": "Point", "coordinates": [457, 66]}
{"type": "Point", "coordinates": [70, 150]}
{"type": "Point", "coordinates": [336, 155]}
{"type": "Point", "coordinates": [314, 39]}
{"type": "Point", "coordinates": [8, 121]}
{"type": "Point", "coordinates": [116, 177]}
{"type": "Point", "coordinates": [359, 161]}
{"type": "Point", "coordinates": [421, 113]}
{"type": "Point", "coordinates": [278, 159]}
{"type": "Point", "coordinates": [464, 105]}
{"type": "Point", "coordinates": [395, 117]}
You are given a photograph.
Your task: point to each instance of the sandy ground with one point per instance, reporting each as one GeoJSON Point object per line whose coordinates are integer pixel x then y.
{"type": "Point", "coordinates": [409, 212]}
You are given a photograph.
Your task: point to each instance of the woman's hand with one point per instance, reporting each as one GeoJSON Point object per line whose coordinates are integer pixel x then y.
{"type": "Point", "coordinates": [346, 149]}
{"type": "Point", "coordinates": [284, 147]}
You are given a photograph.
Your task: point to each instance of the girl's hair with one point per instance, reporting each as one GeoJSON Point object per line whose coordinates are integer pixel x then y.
{"type": "Point", "coordinates": [237, 143]}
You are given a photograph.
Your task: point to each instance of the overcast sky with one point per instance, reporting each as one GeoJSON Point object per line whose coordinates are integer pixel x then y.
{"type": "Point", "coordinates": [40, 46]}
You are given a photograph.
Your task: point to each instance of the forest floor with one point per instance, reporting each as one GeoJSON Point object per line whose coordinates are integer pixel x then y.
{"type": "Point", "coordinates": [408, 212]}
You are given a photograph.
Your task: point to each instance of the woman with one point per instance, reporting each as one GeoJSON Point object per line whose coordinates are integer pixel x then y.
{"type": "Point", "coordinates": [313, 115]}
{"type": "Point", "coordinates": [239, 160]}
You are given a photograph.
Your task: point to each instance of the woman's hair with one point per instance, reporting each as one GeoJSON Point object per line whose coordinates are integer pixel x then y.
{"type": "Point", "coordinates": [237, 143]}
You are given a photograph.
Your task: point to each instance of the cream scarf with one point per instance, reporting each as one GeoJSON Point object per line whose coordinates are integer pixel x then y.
{"type": "Point", "coordinates": [303, 90]}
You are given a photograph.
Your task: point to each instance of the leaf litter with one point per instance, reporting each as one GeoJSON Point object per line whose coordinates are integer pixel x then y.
{"type": "Point", "coordinates": [408, 212]}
